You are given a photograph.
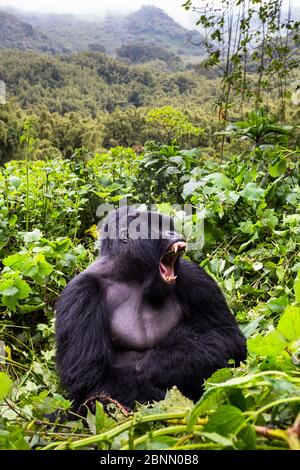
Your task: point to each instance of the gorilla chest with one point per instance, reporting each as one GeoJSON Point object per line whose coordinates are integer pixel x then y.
{"type": "Point", "coordinates": [136, 324]}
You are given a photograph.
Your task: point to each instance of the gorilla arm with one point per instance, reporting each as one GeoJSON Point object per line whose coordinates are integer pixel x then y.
{"type": "Point", "coordinates": [82, 348]}
{"type": "Point", "coordinates": [201, 344]}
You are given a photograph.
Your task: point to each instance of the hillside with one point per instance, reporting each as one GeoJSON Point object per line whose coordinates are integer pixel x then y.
{"type": "Point", "coordinates": [93, 82]}
{"type": "Point", "coordinates": [154, 25]}
{"type": "Point", "coordinates": [68, 33]}
{"type": "Point", "coordinates": [19, 34]}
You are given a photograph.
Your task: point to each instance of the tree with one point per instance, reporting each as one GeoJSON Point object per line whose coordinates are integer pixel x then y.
{"type": "Point", "coordinates": [124, 127]}
{"type": "Point", "coordinates": [253, 45]}
{"type": "Point", "coordinates": [171, 124]}
{"type": "Point", "coordinates": [10, 131]}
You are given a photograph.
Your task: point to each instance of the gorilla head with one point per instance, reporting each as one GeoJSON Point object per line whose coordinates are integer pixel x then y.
{"type": "Point", "coordinates": [145, 246]}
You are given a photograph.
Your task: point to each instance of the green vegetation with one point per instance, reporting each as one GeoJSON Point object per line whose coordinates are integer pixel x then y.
{"type": "Point", "coordinates": [84, 129]}
{"type": "Point", "coordinates": [91, 100]}
{"type": "Point", "coordinates": [251, 243]}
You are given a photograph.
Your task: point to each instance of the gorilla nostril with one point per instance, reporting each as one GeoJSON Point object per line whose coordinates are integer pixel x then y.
{"type": "Point", "coordinates": [172, 234]}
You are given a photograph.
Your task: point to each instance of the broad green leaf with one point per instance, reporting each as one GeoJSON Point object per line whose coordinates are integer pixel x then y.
{"type": "Point", "coordinates": [5, 385]}
{"type": "Point", "coordinates": [113, 187]}
{"type": "Point", "coordinates": [91, 421]}
{"type": "Point", "coordinates": [15, 181]}
{"type": "Point", "coordinates": [208, 402]}
{"type": "Point", "coordinates": [289, 324]}
{"type": "Point", "coordinates": [100, 417]}
{"type": "Point", "coordinates": [257, 266]}
{"type": "Point", "coordinates": [283, 387]}
{"type": "Point", "coordinates": [278, 305]}
{"type": "Point", "coordinates": [17, 289]}
{"type": "Point", "coordinates": [13, 220]}
{"type": "Point", "coordinates": [226, 420]}
{"type": "Point", "coordinates": [172, 170]}
{"type": "Point", "coordinates": [244, 380]}
{"type": "Point", "coordinates": [229, 283]}
{"type": "Point", "coordinates": [248, 329]}
{"type": "Point", "coordinates": [247, 438]}
{"type": "Point", "coordinates": [34, 266]}
{"type": "Point", "coordinates": [178, 160]}
{"type": "Point", "coordinates": [247, 243]}
{"type": "Point", "coordinates": [10, 291]}
{"type": "Point", "coordinates": [218, 179]}
{"type": "Point", "coordinates": [26, 308]}
{"type": "Point", "coordinates": [34, 236]}
{"type": "Point", "coordinates": [218, 438]}
{"type": "Point", "coordinates": [236, 398]}
{"type": "Point", "coordinates": [158, 443]}
{"type": "Point", "coordinates": [239, 178]}
{"type": "Point", "coordinates": [13, 440]}
{"type": "Point", "coordinates": [233, 196]}
{"type": "Point", "coordinates": [278, 168]}
{"type": "Point", "coordinates": [252, 192]}
{"type": "Point", "coordinates": [190, 187]}
{"type": "Point", "coordinates": [269, 219]}
{"type": "Point", "coordinates": [17, 261]}
{"type": "Point", "coordinates": [269, 345]}
{"type": "Point", "coordinates": [50, 404]}
{"type": "Point", "coordinates": [248, 227]}
{"type": "Point", "coordinates": [293, 220]}
{"type": "Point", "coordinates": [221, 375]}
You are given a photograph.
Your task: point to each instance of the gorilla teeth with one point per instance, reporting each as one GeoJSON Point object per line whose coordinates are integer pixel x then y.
{"type": "Point", "coordinates": [167, 261]}
{"type": "Point", "coordinates": [170, 278]}
{"type": "Point", "coordinates": [181, 246]}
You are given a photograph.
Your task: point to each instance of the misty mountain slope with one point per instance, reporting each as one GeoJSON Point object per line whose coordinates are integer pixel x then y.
{"type": "Point", "coordinates": [153, 24]}
{"type": "Point", "coordinates": [18, 34]}
{"type": "Point", "coordinates": [68, 33]}
{"type": "Point", "coordinates": [78, 34]}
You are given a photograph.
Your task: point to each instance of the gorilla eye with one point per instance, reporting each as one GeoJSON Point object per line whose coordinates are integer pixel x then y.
{"type": "Point", "coordinates": [123, 235]}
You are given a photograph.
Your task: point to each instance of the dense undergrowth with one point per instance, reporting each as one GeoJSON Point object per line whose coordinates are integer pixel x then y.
{"type": "Point", "coordinates": [251, 247]}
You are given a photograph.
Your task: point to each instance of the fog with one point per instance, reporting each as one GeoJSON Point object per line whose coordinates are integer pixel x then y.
{"type": "Point", "coordinates": [100, 7]}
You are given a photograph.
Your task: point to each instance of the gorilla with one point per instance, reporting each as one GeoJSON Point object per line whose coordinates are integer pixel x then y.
{"type": "Point", "coordinates": [142, 319]}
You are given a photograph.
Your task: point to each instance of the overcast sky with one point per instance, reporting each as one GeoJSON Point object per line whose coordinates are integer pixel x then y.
{"type": "Point", "coordinates": [101, 7]}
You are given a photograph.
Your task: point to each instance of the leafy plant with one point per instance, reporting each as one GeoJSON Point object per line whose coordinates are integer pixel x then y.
{"type": "Point", "coordinates": [260, 128]}
{"type": "Point", "coordinates": [251, 241]}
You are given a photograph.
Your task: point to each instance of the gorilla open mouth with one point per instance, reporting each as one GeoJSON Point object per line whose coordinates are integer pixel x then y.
{"type": "Point", "coordinates": [167, 261]}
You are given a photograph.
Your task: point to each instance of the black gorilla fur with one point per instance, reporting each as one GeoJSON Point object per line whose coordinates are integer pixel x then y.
{"type": "Point", "coordinates": [91, 360]}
